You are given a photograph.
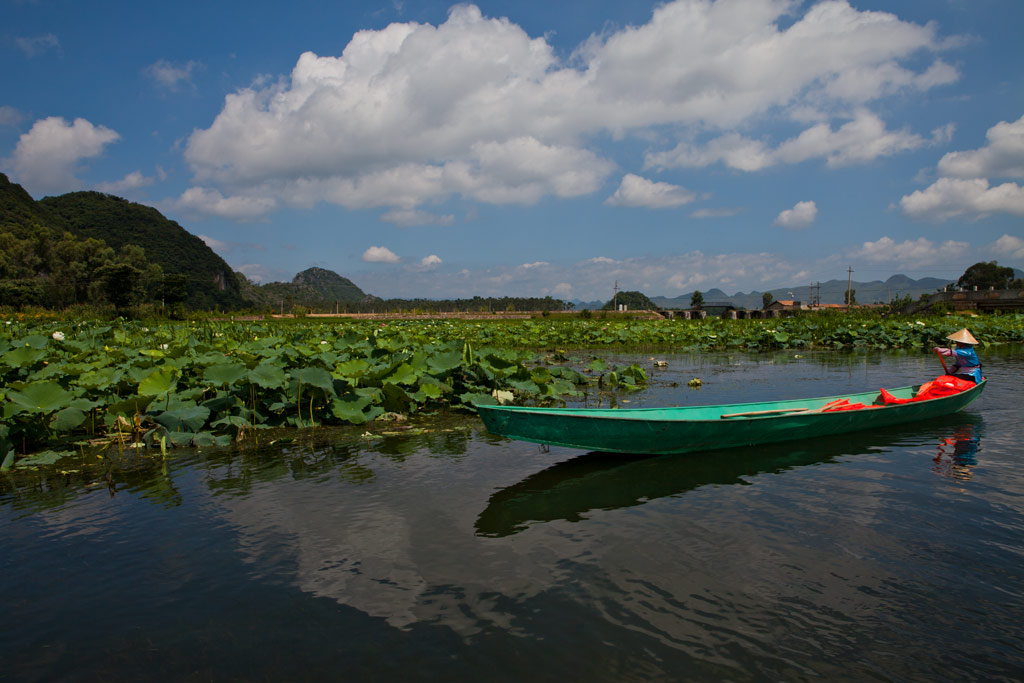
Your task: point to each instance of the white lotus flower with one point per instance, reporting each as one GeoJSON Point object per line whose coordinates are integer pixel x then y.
{"type": "Point", "coordinates": [58, 335]}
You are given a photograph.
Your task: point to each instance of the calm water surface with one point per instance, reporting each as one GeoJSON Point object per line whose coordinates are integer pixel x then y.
{"type": "Point", "coordinates": [452, 554]}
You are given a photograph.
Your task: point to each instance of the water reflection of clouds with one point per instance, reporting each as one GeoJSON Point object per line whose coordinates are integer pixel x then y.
{"type": "Point", "coordinates": [415, 547]}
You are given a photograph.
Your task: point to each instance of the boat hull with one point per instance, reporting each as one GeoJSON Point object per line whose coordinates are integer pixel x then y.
{"type": "Point", "coordinates": [701, 428]}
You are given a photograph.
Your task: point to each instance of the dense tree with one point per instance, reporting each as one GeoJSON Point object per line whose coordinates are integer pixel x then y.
{"type": "Point", "coordinates": [987, 274]}
{"type": "Point", "coordinates": [174, 288]}
{"type": "Point", "coordinates": [766, 300]}
{"type": "Point", "coordinates": [121, 283]}
{"type": "Point", "coordinates": [697, 300]}
{"type": "Point", "coordinates": [850, 297]}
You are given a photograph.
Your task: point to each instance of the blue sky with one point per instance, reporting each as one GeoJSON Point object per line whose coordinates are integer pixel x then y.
{"type": "Point", "coordinates": [429, 149]}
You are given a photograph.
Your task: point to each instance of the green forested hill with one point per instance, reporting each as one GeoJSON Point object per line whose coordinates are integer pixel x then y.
{"type": "Point", "coordinates": [209, 281]}
{"type": "Point", "coordinates": [317, 289]}
{"type": "Point", "coordinates": [42, 264]}
{"type": "Point", "coordinates": [20, 215]}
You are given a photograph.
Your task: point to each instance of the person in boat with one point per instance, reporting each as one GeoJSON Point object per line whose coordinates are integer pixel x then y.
{"type": "Point", "coordinates": [966, 364]}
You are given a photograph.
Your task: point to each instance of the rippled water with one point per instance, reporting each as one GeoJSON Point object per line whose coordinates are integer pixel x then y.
{"type": "Point", "coordinates": [453, 554]}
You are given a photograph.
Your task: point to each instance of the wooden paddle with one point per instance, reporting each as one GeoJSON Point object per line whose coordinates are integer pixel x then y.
{"type": "Point", "coordinates": [942, 360]}
{"type": "Point", "coordinates": [819, 409]}
{"type": "Point", "coordinates": [766, 412]}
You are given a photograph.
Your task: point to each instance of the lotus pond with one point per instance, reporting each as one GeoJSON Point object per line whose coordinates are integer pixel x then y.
{"type": "Point", "coordinates": [80, 389]}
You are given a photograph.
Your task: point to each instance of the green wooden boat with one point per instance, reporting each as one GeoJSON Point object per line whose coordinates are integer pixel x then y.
{"type": "Point", "coordinates": [700, 428]}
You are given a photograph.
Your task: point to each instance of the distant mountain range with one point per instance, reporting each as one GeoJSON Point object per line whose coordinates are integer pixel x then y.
{"type": "Point", "coordinates": [831, 292]}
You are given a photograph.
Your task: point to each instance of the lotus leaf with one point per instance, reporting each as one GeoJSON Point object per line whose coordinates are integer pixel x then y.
{"type": "Point", "coordinates": [430, 390]}
{"type": "Point", "coordinates": [186, 418]}
{"type": "Point", "coordinates": [236, 421]}
{"type": "Point", "coordinates": [351, 369]}
{"type": "Point", "coordinates": [67, 419]}
{"type": "Point", "coordinates": [267, 375]}
{"type": "Point", "coordinates": [351, 410]}
{"type": "Point", "coordinates": [180, 438]}
{"type": "Point", "coordinates": [22, 356]}
{"type": "Point", "coordinates": [445, 361]}
{"type": "Point", "coordinates": [564, 388]}
{"type": "Point", "coordinates": [35, 341]}
{"type": "Point", "coordinates": [315, 377]}
{"type": "Point", "coordinates": [396, 399]}
{"type": "Point", "coordinates": [61, 370]}
{"type": "Point", "coordinates": [159, 381]}
{"type": "Point", "coordinates": [470, 397]}
{"type": "Point", "coordinates": [224, 401]}
{"type": "Point", "coordinates": [44, 458]}
{"type": "Point", "coordinates": [540, 375]}
{"type": "Point", "coordinates": [137, 373]}
{"type": "Point", "coordinates": [100, 379]}
{"type": "Point", "coordinates": [41, 397]}
{"type": "Point", "coordinates": [129, 406]}
{"type": "Point", "coordinates": [403, 374]}
{"type": "Point", "coordinates": [225, 374]}
{"type": "Point", "coordinates": [84, 404]}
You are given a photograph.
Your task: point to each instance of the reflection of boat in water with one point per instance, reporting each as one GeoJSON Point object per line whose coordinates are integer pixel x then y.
{"type": "Point", "coordinates": [571, 489]}
{"type": "Point", "coordinates": [958, 454]}
{"type": "Point", "coordinates": [700, 428]}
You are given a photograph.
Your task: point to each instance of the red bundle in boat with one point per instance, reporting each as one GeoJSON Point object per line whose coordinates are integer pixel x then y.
{"type": "Point", "coordinates": [945, 385]}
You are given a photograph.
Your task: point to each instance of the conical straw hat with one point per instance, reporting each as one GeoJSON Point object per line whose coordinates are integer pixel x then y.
{"type": "Point", "coordinates": [963, 336]}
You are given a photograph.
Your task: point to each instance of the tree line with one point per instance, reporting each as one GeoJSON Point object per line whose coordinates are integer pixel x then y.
{"type": "Point", "coordinates": [64, 271]}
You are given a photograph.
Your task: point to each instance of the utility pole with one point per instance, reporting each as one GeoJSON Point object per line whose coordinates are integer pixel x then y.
{"type": "Point", "coordinates": [615, 297]}
{"type": "Point", "coordinates": [849, 287]}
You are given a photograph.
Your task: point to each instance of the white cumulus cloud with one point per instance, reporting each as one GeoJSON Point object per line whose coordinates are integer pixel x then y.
{"type": "Point", "coordinates": [1002, 157]}
{"type": "Point", "coordinates": [206, 201]}
{"type": "Point", "coordinates": [909, 253]}
{"type": "Point", "coordinates": [948, 198]}
{"type": "Point", "coordinates": [132, 181]}
{"type": "Point", "coordinates": [476, 107]}
{"type": "Point", "coordinates": [380, 255]}
{"type": "Point", "coordinates": [46, 158]}
{"type": "Point", "coordinates": [1009, 246]}
{"type": "Point", "coordinates": [635, 191]}
{"type": "Point", "coordinates": [861, 139]}
{"type": "Point", "coordinates": [430, 261]}
{"type": "Point", "coordinates": [801, 216]}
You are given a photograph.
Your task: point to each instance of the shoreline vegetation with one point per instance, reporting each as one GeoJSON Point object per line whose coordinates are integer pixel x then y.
{"type": "Point", "coordinates": [85, 391]}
